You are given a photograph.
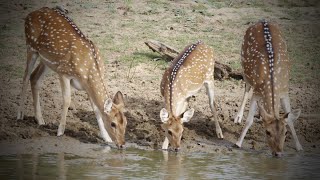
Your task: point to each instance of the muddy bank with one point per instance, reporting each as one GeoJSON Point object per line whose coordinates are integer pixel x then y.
{"type": "Point", "coordinates": [144, 127]}
{"type": "Point", "coordinates": [129, 68]}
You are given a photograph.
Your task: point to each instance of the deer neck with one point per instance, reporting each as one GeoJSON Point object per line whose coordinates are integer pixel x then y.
{"type": "Point", "coordinates": [97, 92]}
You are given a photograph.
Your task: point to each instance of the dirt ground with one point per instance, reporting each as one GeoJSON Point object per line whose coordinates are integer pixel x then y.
{"type": "Point", "coordinates": [140, 81]}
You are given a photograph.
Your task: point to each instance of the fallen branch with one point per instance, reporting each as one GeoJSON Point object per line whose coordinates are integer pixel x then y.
{"type": "Point", "coordinates": [221, 71]}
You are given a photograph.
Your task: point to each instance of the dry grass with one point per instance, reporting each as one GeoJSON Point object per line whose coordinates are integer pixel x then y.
{"type": "Point", "coordinates": [119, 29]}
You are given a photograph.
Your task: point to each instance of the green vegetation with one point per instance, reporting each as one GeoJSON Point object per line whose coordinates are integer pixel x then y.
{"type": "Point", "coordinates": [120, 28]}
{"type": "Point", "coordinates": [11, 70]}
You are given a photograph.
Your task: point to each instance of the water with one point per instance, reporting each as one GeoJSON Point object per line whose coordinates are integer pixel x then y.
{"type": "Point", "coordinates": [139, 164]}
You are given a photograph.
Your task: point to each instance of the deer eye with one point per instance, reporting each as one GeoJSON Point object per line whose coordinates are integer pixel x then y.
{"type": "Point", "coordinates": [268, 133]}
{"type": "Point", "coordinates": [170, 133]}
{"type": "Point", "coordinates": [113, 125]}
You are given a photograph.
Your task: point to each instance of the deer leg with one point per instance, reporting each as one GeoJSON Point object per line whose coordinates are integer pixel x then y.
{"type": "Point", "coordinates": [103, 130]}
{"type": "Point", "coordinates": [285, 103]}
{"type": "Point", "coordinates": [31, 59]}
{"type": "Point", "coordinates": [249, 121]}
{"type": "Point", "coordinates": [35, 79]}
{"type": "Point", "coordinates": [209, 87]}
{"type": "Point", "coordinates": [66, 98]}
{"type": "Point", "coordinates": [238, 117]}
{"type": "Point", "coordinates": [165, 143]}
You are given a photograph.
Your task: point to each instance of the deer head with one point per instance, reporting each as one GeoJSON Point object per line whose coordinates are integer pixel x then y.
{"type": "Point", "coordinates": [276, 130]}
{"type": "Point", "coordinates": [115, 121]}
{"type": "Point", "coordinates": [173, 126]}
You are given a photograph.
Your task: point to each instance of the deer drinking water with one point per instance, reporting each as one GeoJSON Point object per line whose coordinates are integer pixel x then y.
{"type": "Point", "coordinates": [52, 37]}
{"type": "Point", "coordinates": [188, 72]}
{"type": "Point", "coordinates": [266, 66]}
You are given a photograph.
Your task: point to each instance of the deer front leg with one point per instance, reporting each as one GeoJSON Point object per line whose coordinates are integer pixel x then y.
{"type": "Point", "coordinates": [104, 134]}
{"type": "Point", "coordinates": [249, 121]}
{"type": "Point", "coordinates": [31, 59]}
{"type": "Point", "coordinates": [66, 98]}
{"type": "Point", "coordinates": [165, 143]}
{"type": "Point", "coordinates": [238, 117]}
{"type": "Point", "coordinates": [285, 103]}
{"type": "Point", "coordinates": [36, 78]}
{"type": "Point", "coordinates": [209, 87]}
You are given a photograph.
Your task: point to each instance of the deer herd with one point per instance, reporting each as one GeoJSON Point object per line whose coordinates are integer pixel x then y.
{"type": "Point", "coordinates": [54, 39]}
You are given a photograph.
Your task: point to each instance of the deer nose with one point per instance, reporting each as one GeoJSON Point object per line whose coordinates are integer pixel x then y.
{"type": "Point", "coordinates": [176, 149]}
{"type": "Point", "coordinates": [121, 146]}
{"type": "Point", "coordinates": [278, 154]}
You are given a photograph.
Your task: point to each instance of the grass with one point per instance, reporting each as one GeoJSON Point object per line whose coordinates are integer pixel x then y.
{"type": "Point", "coordinates": [303, 36]}
{"type": "Point", "coordinates": [139, 57]}
{"type": "Point", "coordinates": [235, 64]}
{"type": "Point", "coordinates": [12, 70]}
{"type": "Point", "coordinates": [305, 62]}
{"type": "Point", "coordinates": [220, 4]}
{"type": "Point", "coordinates": [220, 24]}
{"type": "Point", "coordinates": [191, 22]}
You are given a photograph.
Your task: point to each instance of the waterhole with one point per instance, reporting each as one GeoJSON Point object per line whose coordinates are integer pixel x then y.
{"type": "Point", "coordinates": [141, 164]}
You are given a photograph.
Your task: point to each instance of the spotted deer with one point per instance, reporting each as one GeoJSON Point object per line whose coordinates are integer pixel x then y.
{"type": "Point", "coordinates": [53, 37]}
{"type": "Point", "coordinates": [188, 72]}
{"type": "Point", "coordinates": [266, 67]}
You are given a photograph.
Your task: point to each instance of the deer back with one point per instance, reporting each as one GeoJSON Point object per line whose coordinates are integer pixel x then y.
{"type": "Point", "coordinates": [65, 49]}
{"type": "Point", "coordinates": [186, 75]}
{"type": "Point", "coordinates": [266, 64]}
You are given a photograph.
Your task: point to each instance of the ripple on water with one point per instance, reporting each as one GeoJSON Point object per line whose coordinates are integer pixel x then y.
{"type": "Point", "coordinates": [134, 163]}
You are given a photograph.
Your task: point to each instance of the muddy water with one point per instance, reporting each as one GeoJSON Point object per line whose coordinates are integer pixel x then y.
{"type": "Point", "coordinates": [139, 164]}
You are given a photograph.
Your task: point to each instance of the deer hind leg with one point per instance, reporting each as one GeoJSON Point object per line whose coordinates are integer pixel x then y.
{"type": "Point", "coordinates": [249, 121]}
{"type": "Point", "coordinates": [285, 103]}
{"type": "Point", "coordinates": [31, 59]}
{"type": "Point", "coordinates": [238, 117]}
{"type": "Point", "coordinates": [66, 98]}
{"type": "Point", "coordinates": [36, 78]}
{"type": "Point", "coordinates": [209, 87]}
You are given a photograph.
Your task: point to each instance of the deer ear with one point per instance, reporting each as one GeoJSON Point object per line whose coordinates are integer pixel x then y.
{"type": "Point", "coordinates": [293, 115]}
{"type": "Point", "coordinates": [118, 98]}
{"type": "Point", "coordinates": [164, 115]}
{"type": "Point", "coordinates": [108, 105]}
{"type": "Point", "coordinates": [187, 115]}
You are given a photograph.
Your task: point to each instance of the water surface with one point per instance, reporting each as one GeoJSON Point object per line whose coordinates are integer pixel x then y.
{"type": "Point", "coordinates": [140, 164]}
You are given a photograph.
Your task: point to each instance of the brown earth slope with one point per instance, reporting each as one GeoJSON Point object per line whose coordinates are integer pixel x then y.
{"type": "Point", "coordinates": [119, 29]}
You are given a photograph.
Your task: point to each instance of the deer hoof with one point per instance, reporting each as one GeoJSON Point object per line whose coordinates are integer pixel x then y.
{"type": "Point", "coordinates": [238, 145]}
{"type": "Point", "coordinates": [237, 119]}
{"type": "Point", "coordinates": [106, 138]}
{"type": "Point", "coordinates": [20, 116]}
{"type": "Point", "coordinates": [61, 130]}
{"type": "Point", "coordinates": [299, 147]}
{"type": "Point", "coordinates": [41, 122]}
{"type": "Point", "coordinates": [220, 136]}
{"type": "Point", "coordinates": [219, 133]}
